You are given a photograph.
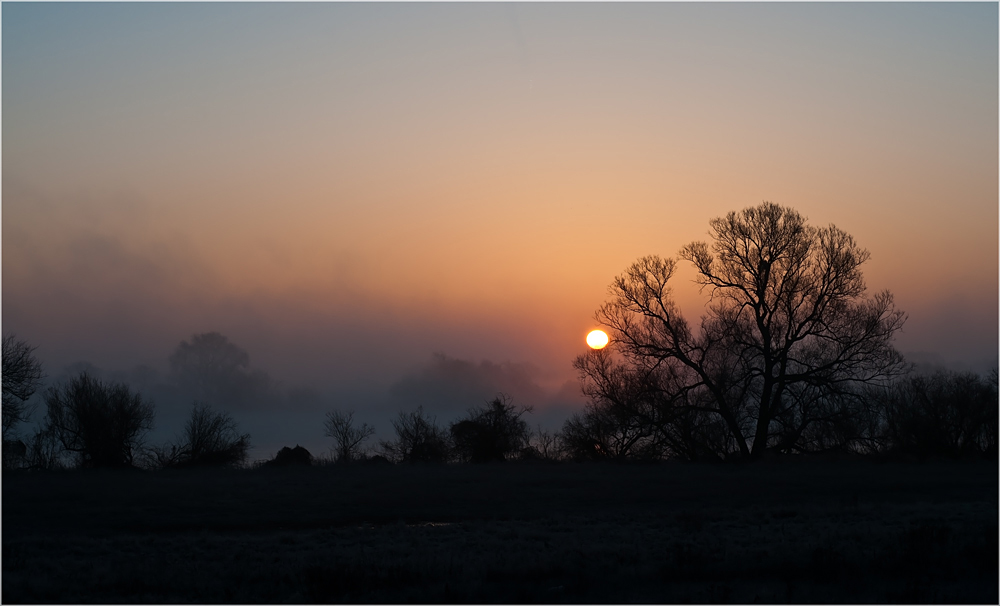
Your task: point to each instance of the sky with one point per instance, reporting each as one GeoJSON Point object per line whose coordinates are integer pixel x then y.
{"type": "Point", "coordinates": [389, 205]}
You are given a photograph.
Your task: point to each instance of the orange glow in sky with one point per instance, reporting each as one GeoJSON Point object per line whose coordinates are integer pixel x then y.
{"type": "Point", "coordinates": [346, 189]}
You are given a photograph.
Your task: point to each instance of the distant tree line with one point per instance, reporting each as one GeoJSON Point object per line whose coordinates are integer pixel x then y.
{"type": "Point", "coordinates": [93, 423]}
{"type": "Point", "coordinates": [945, 414]}
{"type": "Point", "coordinates": [792, 357]}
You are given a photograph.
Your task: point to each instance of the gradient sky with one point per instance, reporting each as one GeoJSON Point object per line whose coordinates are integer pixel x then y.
{"type": "Point", "coordinates": [378, 200]}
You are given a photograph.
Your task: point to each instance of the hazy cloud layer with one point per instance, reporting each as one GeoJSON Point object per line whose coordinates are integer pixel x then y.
{"type": "Point", "coordinates": [448, 387]}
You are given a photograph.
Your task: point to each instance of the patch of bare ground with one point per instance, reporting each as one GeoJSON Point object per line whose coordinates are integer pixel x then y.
{"type": "Point", "coordinates": [801, 532]}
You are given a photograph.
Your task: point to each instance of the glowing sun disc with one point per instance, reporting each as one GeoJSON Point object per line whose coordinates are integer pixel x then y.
{"type": "Point", "coordinates": [597, 339]}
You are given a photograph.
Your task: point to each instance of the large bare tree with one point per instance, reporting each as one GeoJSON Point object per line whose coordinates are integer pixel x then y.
{"type": "Point", "coordinates": [788, 337]}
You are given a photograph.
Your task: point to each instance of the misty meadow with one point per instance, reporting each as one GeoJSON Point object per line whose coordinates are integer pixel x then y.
{"type": "Point", "coordinates": [500, 302]}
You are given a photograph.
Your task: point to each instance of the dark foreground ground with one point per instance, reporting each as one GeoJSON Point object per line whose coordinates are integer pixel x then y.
{"type": "Point", "coordinates": [795, 532]}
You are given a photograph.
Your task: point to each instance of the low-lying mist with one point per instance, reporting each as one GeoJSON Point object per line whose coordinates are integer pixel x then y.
{"type": "Point", "coordinates": [276, 412]}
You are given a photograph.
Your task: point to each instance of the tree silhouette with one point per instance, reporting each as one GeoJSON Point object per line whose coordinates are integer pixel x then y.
{"type": "Point", "coordinates": [348, 438]}
{"type": "Point", "coordinates": [103, 424]}
{"type": "Point", "coordinates": [494, 432]}
{"type": "Point", "coordinates": [788, 337]}
{"type": "Point", "coordinates": [44, 450]}
{"type": "Point", "coordinates": [543, 445]}
{"type": "Point", "coordinates": [944, 414]}
{"type": "Point", "coordinates": [212, 369]}
{"type": "Point", "coordinates": [418, 440]}
{"type": "Point", "coordinates": [639, 412]}
{"type": "Point", "coordinates": [22, 373]}
{"type": "Point", "coordinates": [211, 439]}
{"type": "Point", "coordinates": [291, 457]}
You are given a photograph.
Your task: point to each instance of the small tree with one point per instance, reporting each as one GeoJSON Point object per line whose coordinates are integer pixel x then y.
{"type": "Point", "coordinates": [213, 439]}
{"type": "Point", "coordinates": [103, 424]}
{"type": "Point", "coordinates": [542, 445]}
{"type": "Point", "coordinates": [492, 433]}
{"type": "Point", "coordinates": [418, 440]}
{"type": "Point", "coordinates": [22, 373]}
{"type": "Point", "coordinates": [347, 437]}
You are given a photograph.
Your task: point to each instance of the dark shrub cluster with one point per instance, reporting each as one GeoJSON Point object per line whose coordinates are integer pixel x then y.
{"type": "Point", "coordinates": [211, 439]}
{"type": "Point", "coordinates": [495, 432]}
{"type": "Point", "coordinates": [291, 457]}
{"type": "Point", "coordinates": [418, 440]}
{"type": "Point", "coordinates": [944, 414]}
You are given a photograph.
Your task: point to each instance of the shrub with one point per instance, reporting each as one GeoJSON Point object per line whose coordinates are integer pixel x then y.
{"type": "Point", "coordinates": [944, 414]}
{"type": "Point", "coordinates": [418, 439]}
{"type": "Point", "coordinates": [348, 438]}
{"type": "Point", "coordinates": [290, 457]}
{"type": "Point", "coordinates": [494, 432]}
{"type": "Point", "coordinates": [211, 439]}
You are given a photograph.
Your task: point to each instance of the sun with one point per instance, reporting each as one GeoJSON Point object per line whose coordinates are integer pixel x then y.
{"type": "Point", "coordinates": [597, 339]}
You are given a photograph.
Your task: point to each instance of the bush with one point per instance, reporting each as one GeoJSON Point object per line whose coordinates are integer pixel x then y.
{"type": "Point", "coordinates": [495, 432]}
{"type": "Point", "coordinates": [944, 414]}
{"type": "Point", "coordinates": [44, 451]}
{"type": "Point", "coordinates": [348, 438]}
{"type": "Point", "coordinates": [542, 445]}
{"type": "Point", "coordinates": [418, 440]}
{"type": "Point", "coordinates": [290, 457]}
{"type": "Point", "coordinates": [606, 432]}
{"type": "Point", "coordinates": [211, 439]}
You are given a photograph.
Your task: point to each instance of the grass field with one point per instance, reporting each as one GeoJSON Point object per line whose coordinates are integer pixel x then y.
{"type": "Point", "coordinates": [781, 531]}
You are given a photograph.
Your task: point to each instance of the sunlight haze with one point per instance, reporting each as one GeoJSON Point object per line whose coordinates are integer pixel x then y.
{"type": "Point", "coordinates": [367, 197]}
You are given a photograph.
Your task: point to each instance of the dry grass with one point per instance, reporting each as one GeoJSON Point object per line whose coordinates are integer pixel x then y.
{"type": "Point", "coordinates": [774, 532]}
